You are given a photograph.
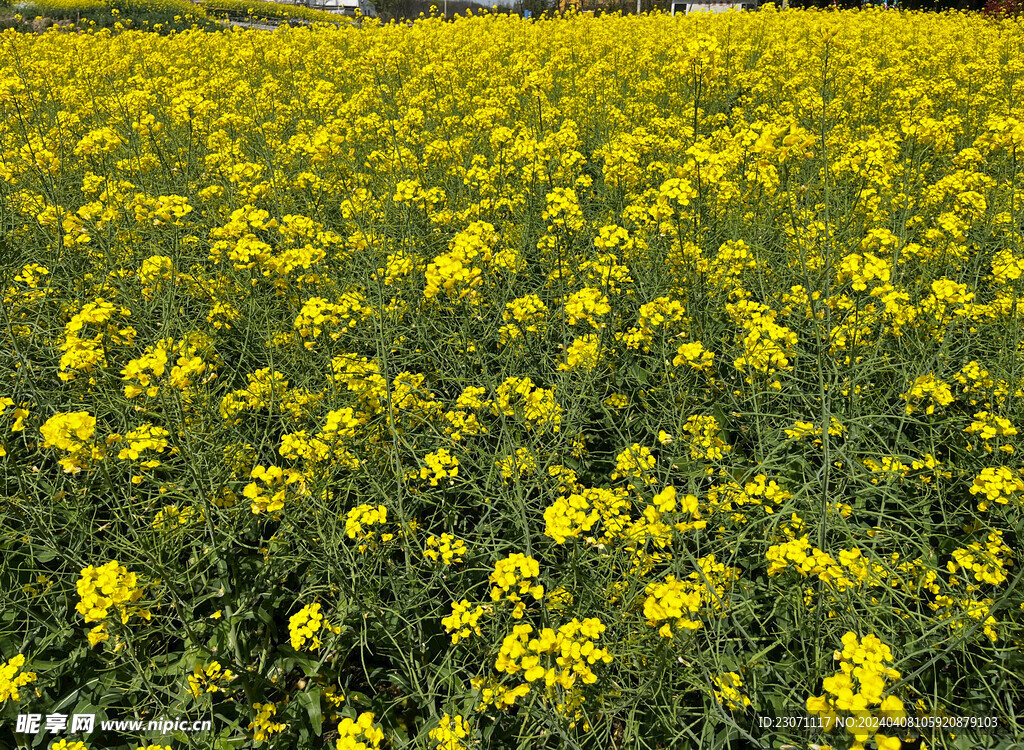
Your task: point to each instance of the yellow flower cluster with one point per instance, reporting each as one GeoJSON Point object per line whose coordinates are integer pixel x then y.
{"type": "Point", "coordinates": [616, 401]}
{"type": "Point", "coordinates": [988, 426]}
{"type": "Point", "coordinates": [98, 634]}
{"type": "Point", "coordinates": [582, 354]}
{"type": "Point", "coordinates": [493, 693]}
{"type": "Point", "coordinates": [72, 433]}
{"type": "Point", "coordinates": [399, 265]}
{"type": "Point", "coordinates": [519, 396]}
{"type": "Point", "coordinates": [145, 369]}
{"type": "Point", "coordinates": [263, 724]}
{"type": "Point", "coordinates": [277, 486]}
{"type": "Point", "coordinates": [454, 271]}
{"type": "Point", "coordinates": [145, 374]}
{"type": "Point", "coordinates": [974, 378]}
{"type": "Point", "coordinates": [28, 289]}
{"type": "Point", "coordinates": [958, 612]}
{"type": "Point", "coordinates": [523, 315]}
{"type": "Point", "coordinates": [329, 443]}
{"type": "Point", "coordinates": [462, 420]}
{"type": "Point", "coordinates": [667, 501]}
{"type": "Point", "coordinates": [768, 347]}
{"type": "Point", "coordinates": [557, 657]}
{"type": "Point", "coordinates": [695, 356]}
{"type": "Point", "coordinates": [440, 464]}
{"type": "Point", "coordinates": [359, 520]}
{"type": "Point", "coordinates": [635, 462]}
{"type": "Point", "coordinates": [673, 195]}
{"type": "Point", "coordinates": [1000, 484]}
{"type": "Point", "coordinates": [513, 578]}
{"type": "Point", "coordinates": [445, 549]}
{"type": "Point", "coordinates": [851, 570]}
{"type": "Point", "coordinates": [411, 193]}
{"type": "Point", "coordinates": [891, 468]}
{"type": "Point", "coordinates": [146, 437]}
{"type": "Point", "coordinates": [671, 603]}
{"type": "Point", "coordinates": [464, 620]}
{"type": "Point", "coordinates": [522, 462]}
{"type": "Point", "coordinates": [761, 491]}
{"type": "Point", "coordinates": [11, 680]}
{"type": "Point", "coordinates": [705, 443]}
{"type": "Point", "coordinates": [209, 678]}
{"type": "Point", "coordinates": [154, 272]}
{"type": "Point", "coordinates": [266, 388]}
{"type": "Point", "coordinates": [986, 562]}
{"type": "Point", "coordinates": [858, 690]}
{"type": "Point", "coordinates": [450, 733]}
{"type": "Point", "coordinates": [800, 430]}
{"type": "Point", "coordinates": [343, 315]}
{"type": "Point", "coordinates": [1006, 266]}
{"type": "Point", "coordinates": [728, 691]}
{"type": "Point", "coordinates": [359, 733]}
{"type": "Point", "coordinates": [563, 210]}
{"type": "Point", "coordinates": [18, 415]}
{"type": "Point", "coordinates": [580, 512]}
{"type": "Point", "coordinates": [662, 312]}
{"type": "Point", "coordinates": [862, 269]}
{"type": "Point", "coordinates": [171, 517]}
{"type": "Point", "coordinates": [946, 294]}
{"type": "Point", "coordinates": [83, 354]}
{"type": "Point", "coordinates": [586, 306]}
{"type": "Point", "coordinates": [110, 585]}
{"type": "Point", "coordinates": [726, 268]}
{"type": "Point", "coordinates": [305, 624]}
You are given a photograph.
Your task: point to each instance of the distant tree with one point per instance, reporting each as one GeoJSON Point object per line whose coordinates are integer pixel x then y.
{"type": "Point", "coordinates": [1001, 8]}
{"type": "Point", "coordinates": [386, 8]}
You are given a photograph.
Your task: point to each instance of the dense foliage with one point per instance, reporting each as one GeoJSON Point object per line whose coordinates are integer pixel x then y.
{"type": "Point", "coordinates": [166, 16]}
{"type": "Point", "coordinates": [243, 9]}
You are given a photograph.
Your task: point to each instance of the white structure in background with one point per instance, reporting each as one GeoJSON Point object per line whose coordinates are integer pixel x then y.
{"type": "Point", "coordinates": [712, 7]}
{"type": "Point", "coordinates": [343, 7]}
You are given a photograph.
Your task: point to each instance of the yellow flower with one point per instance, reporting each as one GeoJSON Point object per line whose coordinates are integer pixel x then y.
{"type": "Point", "coordinates": [263, 723]}
{"type": "Point", "coordinates": [304, 625]}
{"type": "Point", "coordinates": [11, 680]}
{"type": "Point", "coordinates": [110, 585]}
{"type": "Point", "coordinates": [445, 549]}
{"type": "Point", "coordinates": [887, 743]}
{"type": "Point", "coordinates": [68, 431]}
{"type": "Point", "coordinates": [439, 465]}
{"type": "Point", "coordinates": [449, 733]}
{"type": "Point", "coordinates": [363, 726]}
{"type": "Point", "coordinates": [582, 354]}
{"type": "Point", "coordinates": [99, 634]}
{"type": "Point", "coordinates": [208, 678]}
{"type": "Point", "coordinates": [514, 577]}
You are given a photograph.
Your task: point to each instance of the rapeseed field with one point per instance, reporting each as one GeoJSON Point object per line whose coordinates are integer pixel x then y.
{"type": "Point", "coordinates": [617, 382]}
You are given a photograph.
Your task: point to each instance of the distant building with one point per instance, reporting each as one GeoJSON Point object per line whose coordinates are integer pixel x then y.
{"type": "Point", "coordinates": [343, 7]}
{"type": "Point", "coordinates": [711, 6]}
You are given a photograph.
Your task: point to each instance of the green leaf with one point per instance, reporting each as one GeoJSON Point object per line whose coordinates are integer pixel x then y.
{"type": "Point", "coordinates": [310, 700]}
